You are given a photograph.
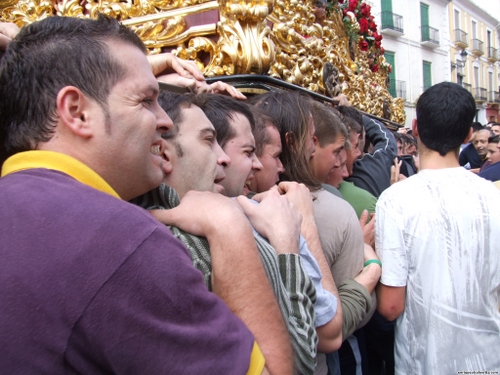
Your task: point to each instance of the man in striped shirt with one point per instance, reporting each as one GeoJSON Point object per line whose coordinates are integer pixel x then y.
{"type": "Point", "coordinates": [194, 160]}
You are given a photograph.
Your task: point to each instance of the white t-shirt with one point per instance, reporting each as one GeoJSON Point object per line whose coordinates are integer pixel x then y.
{"type": "Point", "coordinates": [438, 234]}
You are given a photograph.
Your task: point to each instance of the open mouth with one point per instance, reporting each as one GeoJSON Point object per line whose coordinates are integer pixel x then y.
{"type": "Point", "coordinates": [155, 150]}
{"type": "Point", "coordinates": [246, 187]}
{"type": "Point", "coordinates": [218, 188]}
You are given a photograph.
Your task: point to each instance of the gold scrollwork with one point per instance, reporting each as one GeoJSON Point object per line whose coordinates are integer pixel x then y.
{"type": "Point", "coordinates": [244, 43]}
{"type": "Point", "coordinates": [295, 49]}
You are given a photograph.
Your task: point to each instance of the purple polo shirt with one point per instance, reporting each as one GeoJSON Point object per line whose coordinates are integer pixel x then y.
{"type": "Point", "coordinates": [92, 284]}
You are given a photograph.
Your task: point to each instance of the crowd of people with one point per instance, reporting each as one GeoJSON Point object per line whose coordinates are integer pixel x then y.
{"type": "Point", "coordinates": [148, 232]}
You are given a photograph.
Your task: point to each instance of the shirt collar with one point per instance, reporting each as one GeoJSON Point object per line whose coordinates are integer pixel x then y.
{"type": "Point", "coordinates": [57, 162]}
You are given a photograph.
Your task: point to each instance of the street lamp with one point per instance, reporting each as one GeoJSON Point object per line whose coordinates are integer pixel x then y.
{"type": "Point", "coordinates": [460, 63]}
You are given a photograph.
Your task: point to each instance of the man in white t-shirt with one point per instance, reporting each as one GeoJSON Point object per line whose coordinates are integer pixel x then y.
{"type": "Point", "coordinates": [438, 237]}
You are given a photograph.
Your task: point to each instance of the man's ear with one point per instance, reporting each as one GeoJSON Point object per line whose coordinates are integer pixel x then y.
{"type": "Point", "coordinates": [414, 127]}
{"type": "Point", "coordinates": [167, 154]}
{"type": "Point", "coordinates": [316, 146]}
{"type": "Point", "coordinates": [74, 108]}
{"type": "Point", "coordinates": [468, 138]}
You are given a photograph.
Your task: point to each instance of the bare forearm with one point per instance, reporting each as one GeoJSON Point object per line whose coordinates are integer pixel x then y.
{"type": "Point", "coordinates": [369, 277]}
{"type": "Point", "coordinates": [390, 301]}
{"type": "Point", "coordinates": [240, 280]}
{"type": "Point", "coordinates": [285, 244]}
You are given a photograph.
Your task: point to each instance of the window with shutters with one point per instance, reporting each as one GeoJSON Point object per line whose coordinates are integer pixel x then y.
{"type": "Point", "coordinates": [390, 58]}
{"type": "Point", "coordinates": [426, 68]}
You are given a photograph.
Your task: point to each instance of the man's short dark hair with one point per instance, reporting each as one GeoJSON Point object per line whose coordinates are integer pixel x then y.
{"type": "Point", "coordinates": [444, 115]}
{"type": "Point", "coordinates": [329, 125]}
{"type": "Point", "coordinates": [173, 104]}
{"type": "Point", "coordinates": [220, 109]}
{"type": "Point", "coordinates": [45, 57]}
{"type": "Point", "coordinates": [476, 126]}
{"type": "Point", "coordinates": [352, 113]}
{"type": "Point", "coordinates": [494, 139]}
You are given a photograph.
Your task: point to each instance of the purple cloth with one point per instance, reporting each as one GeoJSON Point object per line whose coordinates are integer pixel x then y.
{"type": "Point", "coordinates": [91, 284]}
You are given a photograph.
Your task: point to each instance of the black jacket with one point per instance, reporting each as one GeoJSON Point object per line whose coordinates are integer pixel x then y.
{"type": "Point", "coordinates": [470, 156]}
{"type": "Point", "coordinates": [373, 171]}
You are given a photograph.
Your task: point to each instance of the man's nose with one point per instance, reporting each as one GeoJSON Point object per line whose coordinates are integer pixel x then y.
{"type": "Point", "coordinates": [256, 164]}
{"type": "Point", "coordinates": [164, 122]}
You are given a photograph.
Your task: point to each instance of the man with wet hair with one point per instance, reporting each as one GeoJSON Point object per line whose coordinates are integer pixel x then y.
{"type": "Point", "coordinates": [441, 273]}
{"type": "Point", "coordinates": [90, 283]}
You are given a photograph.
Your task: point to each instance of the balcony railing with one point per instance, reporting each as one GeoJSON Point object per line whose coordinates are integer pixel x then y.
{"type": "Point", "coordinates": [477, 47]}
{"type": "Point", "coordinates": [401, 90]}
{"type": "Point", "coordinates": [467, 86]}
{"type": "Point", "coordinates": [493, 97]}
{"type": "Point", "coordinates": [430, 35]}
{"type": "Point", "coordinates": [461, 38]}
{"type": "Point", "coordinates": [392, 21]}
{"type": "Point", "coordinates": [492, 54]}
{"type": "Point", "coordinates": [480, 94]}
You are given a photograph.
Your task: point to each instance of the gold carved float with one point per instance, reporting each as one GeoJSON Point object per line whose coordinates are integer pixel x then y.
{"type": "Point", "coordinates": [279, 38]}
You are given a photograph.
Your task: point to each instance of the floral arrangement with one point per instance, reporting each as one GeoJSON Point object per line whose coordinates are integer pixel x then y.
{"type": "Point", "coordinates": [360, 26]}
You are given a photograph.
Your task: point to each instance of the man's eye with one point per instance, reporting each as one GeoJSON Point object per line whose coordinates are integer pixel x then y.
{"type": "Point", "coordinates": [147, 101]}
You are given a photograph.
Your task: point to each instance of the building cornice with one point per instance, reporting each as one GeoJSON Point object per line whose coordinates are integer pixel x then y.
{"type": "Point", "coordinates": [475, 10]}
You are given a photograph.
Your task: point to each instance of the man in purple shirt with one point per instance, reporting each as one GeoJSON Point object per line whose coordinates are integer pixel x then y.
{"type": "Point", "coordinates": [88, 282]}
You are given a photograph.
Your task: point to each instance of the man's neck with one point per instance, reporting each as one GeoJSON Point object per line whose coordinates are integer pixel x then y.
{"type": "Point", "coordinates": [433, 160]}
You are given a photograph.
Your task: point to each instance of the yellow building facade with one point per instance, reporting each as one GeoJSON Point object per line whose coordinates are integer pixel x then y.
{"type": "Point", "coordinates": [474, 56]}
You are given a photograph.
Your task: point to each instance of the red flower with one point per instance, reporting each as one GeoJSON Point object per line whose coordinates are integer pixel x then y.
{"type": "Point", "coordinates": [341, 1]}
{"type": "Point", "coordinates": [371, 18]}
{"type": "Point", "coordinates": [377, 45]}
{"type": "Point", "coordinates": [373, 26]}
{"type": "Point", "coordinates": [374, 68]}
{"type": "Point", "coordinates": [382, 50]}
{"type": "Point", "coordinates": [353, 4]}
{"type": "Point", "coordinates": [377, 37]}
{"type": "Point", "coordinates": [363, 45]}
{"type": "Point", "coordinates": [363, 25]}
{"type": "Point", "coordinates": [365, 10]}
{"type": "Point", "coordinates": [389, 69]}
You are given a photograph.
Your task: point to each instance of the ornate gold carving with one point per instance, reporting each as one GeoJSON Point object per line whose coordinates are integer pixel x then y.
{"type": "Point", "coordinates": [295, 50]}
{"type": "Point", "coordinates": [245, 46]}
{"type": "Point", "coordinates": [23, 12]}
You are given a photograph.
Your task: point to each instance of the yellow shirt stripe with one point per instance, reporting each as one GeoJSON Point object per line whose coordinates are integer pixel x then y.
{"type": "Point", "coordinates": [80, 172]}
{"type": "Point", "coordinates": [257, 361]}
{"type": "Point", "coordinates": [58, 162]}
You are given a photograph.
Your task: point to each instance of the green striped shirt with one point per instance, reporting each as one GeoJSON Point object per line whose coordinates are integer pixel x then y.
{"type": "Point", "coordinates": [294, 291]}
